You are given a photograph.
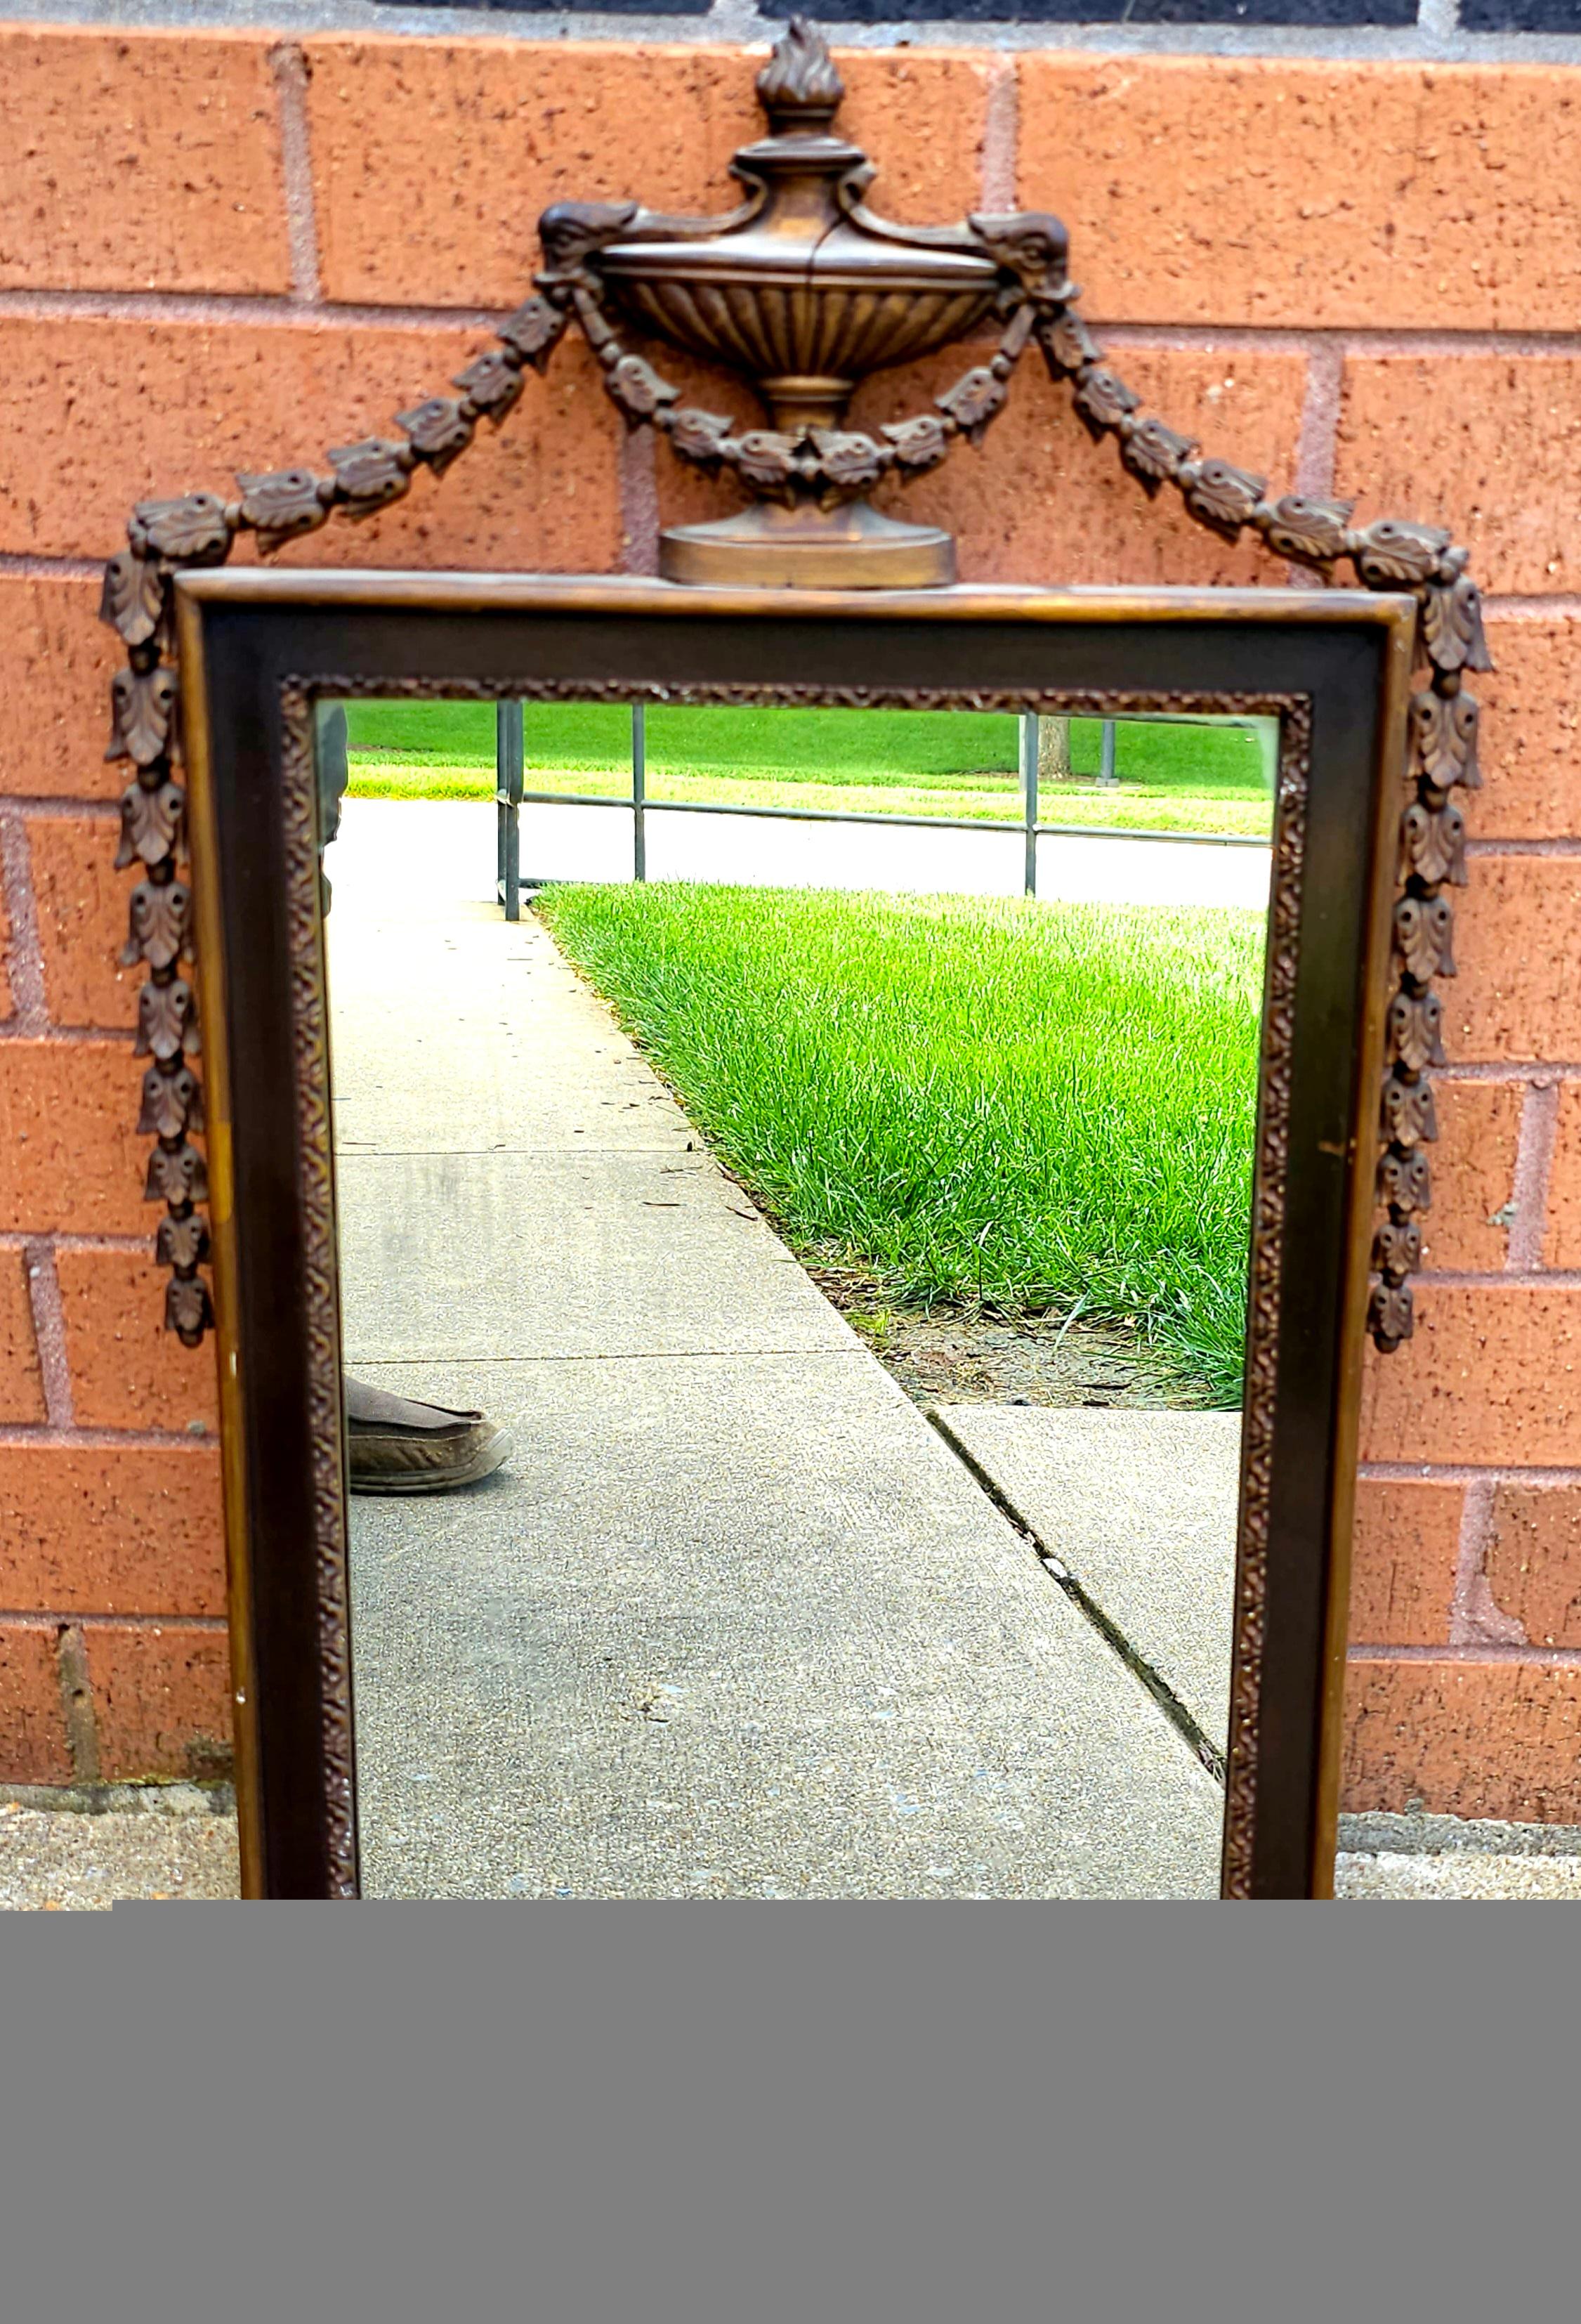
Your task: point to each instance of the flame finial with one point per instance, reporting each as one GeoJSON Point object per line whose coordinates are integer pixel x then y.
{"type": "Point", "coordinates": [799, 88]}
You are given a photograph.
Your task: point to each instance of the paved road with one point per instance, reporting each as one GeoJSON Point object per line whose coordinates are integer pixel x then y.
{"type": "Point", "coordinates": [571, 843]}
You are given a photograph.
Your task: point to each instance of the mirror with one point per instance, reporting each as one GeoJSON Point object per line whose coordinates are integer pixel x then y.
{"type": "Point", "coordinates": [845, 1258]}
{"type": "Point", "coordinates": [849, 1239]}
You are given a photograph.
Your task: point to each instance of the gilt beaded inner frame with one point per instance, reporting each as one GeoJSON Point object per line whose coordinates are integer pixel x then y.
{"type": "Point", "coordinates": [608, 261]}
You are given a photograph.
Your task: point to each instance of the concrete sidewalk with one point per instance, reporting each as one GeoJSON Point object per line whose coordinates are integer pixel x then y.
{"type": "Point", "coordinates": [78, 1856]}
{"type": "Point", "coordinates": [1140, 1509]}
{"type": "Point", "coordinates": [735, 1620]}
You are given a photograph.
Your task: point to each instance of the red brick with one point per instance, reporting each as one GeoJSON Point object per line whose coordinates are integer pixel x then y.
{"type": "Point", "coordinates": [1531, 732]}
{"type": "Point", "coordinates": [1040, 502]}
{"type": "Point", "coordinates": [1533, 1562]}
{"type": "Point", "coordinates": [1492, 1376]}
{"type": "Point", "coordinates": [140, 161]}
{"type": "Point", "coordinates": [432, 161]}
{"type": "Point", "coordinates": [81, 903]}
{"type": "Point", "coordinates": [1403, 1572]}
{"type": "Point", "coordinates": [162, 1701]}
{"type": "Point", "coordinates": [1487, 444]}
{"type": "Point", "coordinates": [127, 1371]}
{"type": "Point", "coordinates": [1518, 951]}
{"type": "Point", "coordinates": [21, 1389]}
{"type": "Point", "coordinates": [1562, 1246]}
{"type": "Point", "coordinates": [1202, 189]}
{"type": "Point", "coordinates": [130, 1531]}
{"type": "Point", "coordinates": [56, 662]}
{"type": "Point", "coordinates": [1467, 1739]}
{"type": "Point", "coordinates": [1473, 1176]}
{"type": "Point", "coordinates": [103, 413]}
{"type": "Point", "coordinates": [70, 1160]}
{"type": "Point", "coordinates": [33, 1725]}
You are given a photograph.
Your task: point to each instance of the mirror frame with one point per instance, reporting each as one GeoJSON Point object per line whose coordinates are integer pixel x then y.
{"type": "Point", "coordinates": [259, 648]}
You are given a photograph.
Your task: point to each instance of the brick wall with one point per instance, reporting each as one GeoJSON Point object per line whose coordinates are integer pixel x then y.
{"type": "Point", "coordinates": [220, 250]}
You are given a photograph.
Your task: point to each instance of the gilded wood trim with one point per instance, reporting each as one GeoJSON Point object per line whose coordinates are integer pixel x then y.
{"type": "Point", "coordinates": [314, 1138]}
{"type": "Point", "coordinates": [232, 1387]}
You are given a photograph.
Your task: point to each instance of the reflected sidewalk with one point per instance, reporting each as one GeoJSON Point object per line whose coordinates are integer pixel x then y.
{"type": "Point", "coordinates": [734, 1621]}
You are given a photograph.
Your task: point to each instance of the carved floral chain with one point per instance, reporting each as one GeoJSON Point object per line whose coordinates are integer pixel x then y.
{"type": "Point", "coordinates": [1036, 302]}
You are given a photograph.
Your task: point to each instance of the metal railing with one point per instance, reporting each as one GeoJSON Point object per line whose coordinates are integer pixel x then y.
{"type": "Point", "coordinates": [511, 796]}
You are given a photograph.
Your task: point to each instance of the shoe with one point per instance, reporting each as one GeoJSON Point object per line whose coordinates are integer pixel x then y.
{"type": "Point", "coordinates": [396, 1445]}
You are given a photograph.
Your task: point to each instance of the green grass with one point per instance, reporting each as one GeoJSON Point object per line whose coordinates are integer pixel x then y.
{"type": "Point", "coordinates": [956, 763]}
{"type": "Point", "coordinates": [1043, 1110]}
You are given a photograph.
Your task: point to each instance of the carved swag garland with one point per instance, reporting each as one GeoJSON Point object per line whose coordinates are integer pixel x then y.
{"type": "Point", "coordinates": [1036, 302]}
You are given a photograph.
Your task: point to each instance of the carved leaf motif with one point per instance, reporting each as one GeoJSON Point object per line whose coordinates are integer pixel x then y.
{"type": "Point", "coordinates": [1223, 497]}
{"type": "Point", "coordinates": [492, 382]}
{"type": "Point", "coordinates": [133, 599]}
{"type": "Point", "coordinates": [765, 460]}
{"type": "Point", "coordinates": [1452, 627]}
{"type": "Point", "coordinates": [438, 430]}
{"type": "Point", "coordinates": [284, 503]}
{"type": "Point", "coordinates": [1067, 342]}
{"type": "Point", "coordinates": [369, 475]}
{"type": "Point", "coordinates": [152, 824]}
{"type": "Point", "coordinates": [1391, 1314]}
{"type": "Point", "coordinates": [166, 1020]}
{"type": "Point", "coordinates": [173, 1103]}
{"type": "Point", "coordinates": [850, 462]}
{"type": "Point", "coordinates": [1432, 843]}
{"type": "Point", "coordinates": [1103, 402]}
{"type": "Point", "coordinates": [1397, 1249]}
{"type": "Point", "coordinates": [919, 444]}
{"type": "Point", "coordinates": [1031, 247]}
{"type": "Point", "coordinates": [1310, 531]}
{"type": "Point", "coordinates": [637, 390]}
{"type": "Point", "coordinates": [1154, 453]}
{"type": "Point", "coordinates": [159, 919]}
{"type": "Point", "coordinates": [570, 232]}
{"type": "Point", "coordinates": [182, 1242]}
{"type": "Point", "coordinates": [1405, 1183]}
{"type": "Point", "coordinates": [193, 531]}
{"type": "Point", "coordinates": [188, 1312]}
{"type": "Point", "coordinates": [1415, 1023]}
{"type": "Point", "coordinates": [699, 435]}
{"type": "Point", "coordinates": [143, 709]}
{"type": "Point", "coordinates": [1443, 740]}
{"type": "Point", "coordinates": [537, 328]}
{"type": "Point", "coordinates": [1392, 551]}
{"type": "Point", "coordinates": [973, 401]}
{"type": "Point", "coordinates": [1409, 1119]}
{"type": "Point", "coordinates": [1424, 926]}
{"type": "Point", "coordinates": [176, 1174]}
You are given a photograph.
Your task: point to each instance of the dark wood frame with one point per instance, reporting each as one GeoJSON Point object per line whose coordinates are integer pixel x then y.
{"type": "Point", "coordinates": [258, 648]}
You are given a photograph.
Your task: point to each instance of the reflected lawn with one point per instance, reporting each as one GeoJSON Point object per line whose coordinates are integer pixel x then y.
{"type": "Point", "coordinates": [1039, 1109]}
{"type": "Point", "coordinates": [957, 764]}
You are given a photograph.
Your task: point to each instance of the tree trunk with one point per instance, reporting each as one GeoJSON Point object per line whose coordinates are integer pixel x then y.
{"type": "Point", "coordinates": [1054, 750]}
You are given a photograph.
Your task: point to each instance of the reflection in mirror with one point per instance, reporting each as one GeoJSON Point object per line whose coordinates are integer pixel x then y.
{"type": "Point", "coordinates": [794, 1287]}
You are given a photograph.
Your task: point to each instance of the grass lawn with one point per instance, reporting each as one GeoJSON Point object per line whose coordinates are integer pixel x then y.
{"type": "Point", "coordinates": [1041, 1109]}
{"type": "Point", "coordinates": [956, 763]}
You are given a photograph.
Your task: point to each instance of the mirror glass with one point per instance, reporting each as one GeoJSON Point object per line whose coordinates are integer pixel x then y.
{"type": "Point", "coordinates": [793, 1284]}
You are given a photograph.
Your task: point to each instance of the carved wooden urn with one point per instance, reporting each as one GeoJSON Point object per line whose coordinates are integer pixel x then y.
{"type": "Point", "coordinates": [805, 291]}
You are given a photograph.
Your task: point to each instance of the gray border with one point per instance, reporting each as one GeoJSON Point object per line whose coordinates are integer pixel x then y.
{"type": "Point", "coordinates": [1435, 39]}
